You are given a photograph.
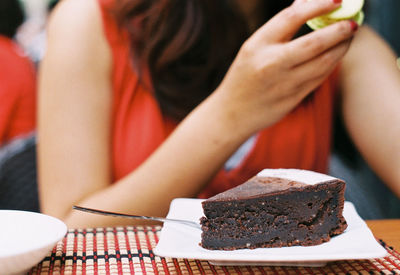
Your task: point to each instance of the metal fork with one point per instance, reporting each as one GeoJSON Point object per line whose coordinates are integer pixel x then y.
{"type": "Point", "coordinates": [114, 214]}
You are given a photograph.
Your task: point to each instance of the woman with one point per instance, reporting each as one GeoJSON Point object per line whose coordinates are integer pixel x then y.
{"type": "Point", "coordinates": [145, 101]}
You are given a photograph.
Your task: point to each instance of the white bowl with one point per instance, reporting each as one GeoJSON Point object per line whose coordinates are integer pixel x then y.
{"type": "Point", "coordinates": [26, 238]}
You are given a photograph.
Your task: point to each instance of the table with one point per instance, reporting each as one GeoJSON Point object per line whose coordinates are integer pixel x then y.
{"type": "Point", "coordinates": [128, 250]}
{"type": "Point", "coordinates": [387, 230]}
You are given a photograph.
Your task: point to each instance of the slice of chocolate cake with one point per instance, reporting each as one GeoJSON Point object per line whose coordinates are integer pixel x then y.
{"type": "Point", "coordinates": [276, 208]}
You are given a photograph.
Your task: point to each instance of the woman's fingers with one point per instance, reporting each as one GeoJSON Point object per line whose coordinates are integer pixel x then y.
{"type": "Point", "coordinates": [283, 26]}
{"type": "Point", "coordinates": [315, 72]}
{"type": "Point", "coordinates": [310, 46]}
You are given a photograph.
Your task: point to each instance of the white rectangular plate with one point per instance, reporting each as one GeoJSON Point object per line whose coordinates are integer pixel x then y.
{"type": "Point", "coordinates": [181, 241]}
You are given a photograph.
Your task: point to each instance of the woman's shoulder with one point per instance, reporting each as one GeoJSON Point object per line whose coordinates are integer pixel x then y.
{"type": "Point", "coordinates": [70, 14]}
{"type": "Point", "coordinates": [75, 32]}
{"type": "Point", "coordinates": [87, 19]}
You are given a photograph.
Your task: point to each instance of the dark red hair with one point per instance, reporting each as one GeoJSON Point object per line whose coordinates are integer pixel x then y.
{"type": "Point", "coordinates": [186, 46]}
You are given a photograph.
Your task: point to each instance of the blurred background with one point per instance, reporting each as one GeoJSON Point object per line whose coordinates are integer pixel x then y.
{"type": "Point", "coordinates": [383, 16]}
{"type": "Point", "coordinates": [22, 46]}
{"type": "Point", "coordinates": [17, 155]}
{"type": "Point", "coordinates": [32, 34]}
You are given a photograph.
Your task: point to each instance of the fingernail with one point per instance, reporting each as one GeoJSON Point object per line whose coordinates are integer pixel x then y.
{"type": "Point", "coordinates": [337, 1]}
{"type": "Point", "coordinates": [353, 25]}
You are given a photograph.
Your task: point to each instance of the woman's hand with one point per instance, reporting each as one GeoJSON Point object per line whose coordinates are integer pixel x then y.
{"type": "Point", "coordinates": [272, 73]}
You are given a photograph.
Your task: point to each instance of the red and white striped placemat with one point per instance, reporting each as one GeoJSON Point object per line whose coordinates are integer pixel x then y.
{"type": "Point", "coordinates": [129, 250]}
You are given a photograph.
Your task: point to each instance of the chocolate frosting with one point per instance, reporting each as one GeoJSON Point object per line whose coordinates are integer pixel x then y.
{"type": "Point", "coordinates": [257, 186]}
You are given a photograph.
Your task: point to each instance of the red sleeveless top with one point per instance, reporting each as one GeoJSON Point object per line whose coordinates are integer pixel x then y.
{"type": "Point", "coordinates": [301, 140]}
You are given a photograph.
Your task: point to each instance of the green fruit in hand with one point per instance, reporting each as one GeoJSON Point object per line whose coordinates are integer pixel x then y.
{"type": "Point", "coordinates": [359, 18]}
{"type": "Point", "coordinates": [349, 10]}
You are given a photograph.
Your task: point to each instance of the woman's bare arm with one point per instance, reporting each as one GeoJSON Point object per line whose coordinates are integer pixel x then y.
{"type": "Point", "coordinates": [74, 109]}
{"type": "Point", "coordinates": [75, 99]}
{"type": "Point", "coordinates": [370, 83]}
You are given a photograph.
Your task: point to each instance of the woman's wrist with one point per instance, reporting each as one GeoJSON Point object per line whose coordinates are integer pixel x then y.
{"type": "Point", "coordinates": [227, 115]}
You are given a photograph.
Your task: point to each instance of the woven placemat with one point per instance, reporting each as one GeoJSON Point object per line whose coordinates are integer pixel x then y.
{"type": "Point", "coordinates": [129, 250]}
